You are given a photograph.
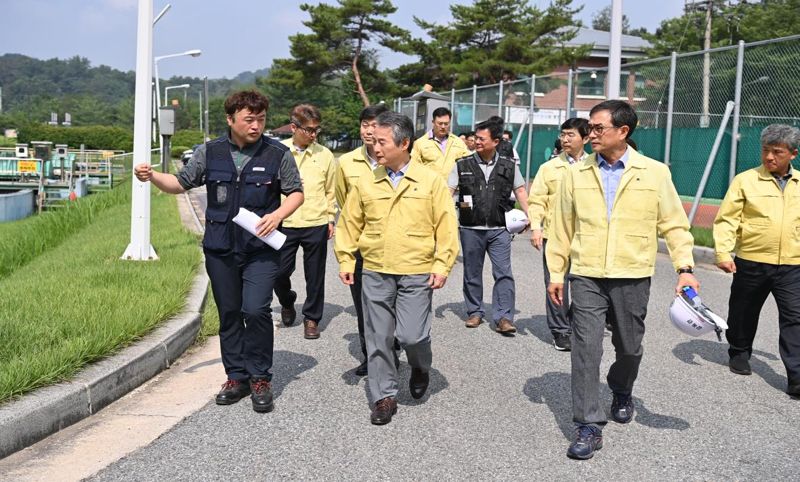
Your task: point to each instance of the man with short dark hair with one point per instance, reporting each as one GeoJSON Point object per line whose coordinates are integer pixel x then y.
{"type": "Point", "coordinates": [574, 135]}
{"type": "Point", "coordinates": [758, 219]}
{"type": "Point", "coordinates": [484, 182]}
{"type": "Point", "coordinates": [311, 226]}
{"type": "Point", "coordinates": [608, 214]}
{"type": "Point", "coordinates": [439, 148]}
{"type": "Point", "coordinates": [242, 169]}
{"type": "Point", "coordinates": [401, 220]}
{"type": "Point", "coordinates": [351, 167]}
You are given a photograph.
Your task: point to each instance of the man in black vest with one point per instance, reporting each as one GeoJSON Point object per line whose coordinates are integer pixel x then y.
{"type": "Point", "coordinates": [241, 170]}
{"type": "Point", "coordinates": [484, 181]}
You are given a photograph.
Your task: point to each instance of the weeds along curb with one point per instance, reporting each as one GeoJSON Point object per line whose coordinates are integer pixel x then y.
{"type": "Point", "coordinates": [47, 410]}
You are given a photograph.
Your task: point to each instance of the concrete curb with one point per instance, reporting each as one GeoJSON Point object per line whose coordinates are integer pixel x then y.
{"type": "Point", "coordinates": [45, 411]}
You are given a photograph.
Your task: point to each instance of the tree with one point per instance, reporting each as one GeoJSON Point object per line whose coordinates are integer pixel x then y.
{"type": "Point", "coordinates": [601, 20]}
{"type": "Point", "coordinates": [493, 40]}
{"type": "Point", "coordinates": [731, 22]}
{"type": "Point", "coordinates": [342, 40]}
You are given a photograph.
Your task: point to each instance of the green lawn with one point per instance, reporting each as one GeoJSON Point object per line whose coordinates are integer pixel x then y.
{"type": "Point", "coordinates": [702, 237]}
{"type": "Point", "coordinates": [77, 302]}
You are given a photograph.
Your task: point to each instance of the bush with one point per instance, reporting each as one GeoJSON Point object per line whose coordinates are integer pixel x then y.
{"type": "Point", "coordinates": [187, 138]}
{"type": "Point", "coordinates": [176, 151]}
{"type": "Point", "coordinates": [93, 137]}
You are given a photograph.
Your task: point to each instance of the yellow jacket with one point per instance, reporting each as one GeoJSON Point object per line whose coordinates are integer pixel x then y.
{"type": "Point", "coordinates": [543, 192]}
{"type": "Point", "coordinates": [408, 230]}
{"type": "Point", "coordinates": [624, 246]}
{"type": "Point", "coordinates": [349, 169]}
{"type": "Point", "coordinates": [427, 152]}
{"type": "Point", "coordinates": [317, 171]}
{"type": "Point", "coordinates": [758, 221]}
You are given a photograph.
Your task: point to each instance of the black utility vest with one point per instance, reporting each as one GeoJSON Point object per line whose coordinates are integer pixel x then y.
{"type": "Point", "coordinates": [257, 188]}
{"type": "Point", "coordinates": [481, 203]}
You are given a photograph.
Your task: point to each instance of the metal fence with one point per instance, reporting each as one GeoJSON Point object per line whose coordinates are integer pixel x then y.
{"type": "Point", "coordinates": [680, 100]}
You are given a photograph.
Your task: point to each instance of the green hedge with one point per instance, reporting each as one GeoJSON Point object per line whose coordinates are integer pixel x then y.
{"type": "Point", "coordinates": [93, 137]}
{"type": "Point", "coordinates": [187, 138]}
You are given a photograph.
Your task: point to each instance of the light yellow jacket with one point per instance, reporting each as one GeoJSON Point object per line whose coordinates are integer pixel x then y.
{"type": "Point", "coordinates": [624, 246]}
{"type": "Point", "coordinates": [408, 230]}
{"type": "Point", "coordinates": [543, 192]}
{"type": "Point", "coordinates": [318, 172]}
{"type": "Point", "coordinates": [758, 221]}
{"type": "Point", "coordinates": [427, 152]}
{"type": "Point", "coordinates": [349, 169]}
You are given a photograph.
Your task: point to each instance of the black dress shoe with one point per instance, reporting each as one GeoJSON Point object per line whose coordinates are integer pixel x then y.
{"type": "Point", "coordinates": [794, 390]}
{"type": "Point", "coordinates": [383, 411]}
{"type": "Point", "coordinates": [588, 440]}
{"type": "Point", "coordinates": [622, 408]}
{"type": "Point", "coordinates": [418, 383]}
{"type": "Point", "coordinates": [261, 395]}
{"type": "Point", "coordinates": [232, 391]}
{"type": "Point", "coordinates": [288, 313]}
{"type": "Point", "coordinates": [740, 365]}
{"type": "Point", "coordinates": [361, 370]}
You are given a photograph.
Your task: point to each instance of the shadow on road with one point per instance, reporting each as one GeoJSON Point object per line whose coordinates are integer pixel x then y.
{"type": "Point", "coordinates": [716, 352]}
{"type": "Point", "coordinates": [287, 367]}
{"type": "Point", "coordinates": [536, 326]}
{"type": "Point", "coordinates": [554, 390]}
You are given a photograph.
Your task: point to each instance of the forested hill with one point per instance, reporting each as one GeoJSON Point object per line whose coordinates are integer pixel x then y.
{"type": "Point", "coordinates": [32, 88]}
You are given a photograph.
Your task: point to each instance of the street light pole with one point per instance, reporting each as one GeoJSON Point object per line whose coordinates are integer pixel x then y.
{"type": "Point", "coordinates": [166, 89]}
{"type": "Point", "coordinates": [139, 247]}
{"type": "Point", "coordinates": [615, 50]}
{"type": "Point", "coordinates": [192, 53]}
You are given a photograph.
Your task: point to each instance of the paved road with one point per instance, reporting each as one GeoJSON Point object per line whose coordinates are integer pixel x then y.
{"type": "Point", "coordinates": [497, 408]}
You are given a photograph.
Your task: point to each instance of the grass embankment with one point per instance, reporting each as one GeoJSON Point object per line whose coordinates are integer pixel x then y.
{"type": "Point", "coordinates": [74, 301]}
{"type": "Point", "coordinates": [702, 237]}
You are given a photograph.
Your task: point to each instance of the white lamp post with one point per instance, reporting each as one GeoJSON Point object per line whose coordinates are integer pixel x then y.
{"type": "Point", "coordinates": [140, 247]}
{"type": "Point", "coordinates": [166, 90]}
{"type": "Point", "coordinates": [191, 53]}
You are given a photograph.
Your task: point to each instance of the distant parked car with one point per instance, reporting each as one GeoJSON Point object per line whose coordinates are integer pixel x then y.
{"type": "Point", "coordinates": [187, 154]}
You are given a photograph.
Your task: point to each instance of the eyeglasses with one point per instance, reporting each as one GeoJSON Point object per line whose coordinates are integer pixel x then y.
{"type": "Point", "coordinates": [599, 129]}
{"type": "Point", "coordinates": [308, 130]}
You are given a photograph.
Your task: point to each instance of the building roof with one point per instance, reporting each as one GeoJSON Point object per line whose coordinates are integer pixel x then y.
{"type": "Point", "coordinates": [632, 46]}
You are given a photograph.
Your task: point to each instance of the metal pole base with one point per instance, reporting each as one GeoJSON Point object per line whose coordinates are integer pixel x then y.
{"type": "Point", "coordinates": [135, 252]}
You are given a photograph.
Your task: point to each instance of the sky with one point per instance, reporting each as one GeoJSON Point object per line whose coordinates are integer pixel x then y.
{"type": "Point", "coordinates": [234, 35]}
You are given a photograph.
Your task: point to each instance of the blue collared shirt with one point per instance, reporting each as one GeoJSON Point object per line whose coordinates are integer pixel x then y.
{"type": "Point", "coordinates": [396, 176]}
{"type": "Point", "coordinates": [610, 175]}
{"type": "Point", "coordinates": [442, 142]}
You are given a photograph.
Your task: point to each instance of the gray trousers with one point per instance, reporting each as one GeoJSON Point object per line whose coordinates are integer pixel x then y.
{"type": "Point", "coordinates": [557, 316]}
{"type": "Point", "coordinates": [592, 298]}
{"type": "Point", "coordinates": [395, 306]}
{"type": "Point", "coordinates": [475, 243]}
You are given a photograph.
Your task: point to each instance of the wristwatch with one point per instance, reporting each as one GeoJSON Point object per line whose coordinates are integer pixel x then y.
{"type": "Point", "coordinates": [685, 270]}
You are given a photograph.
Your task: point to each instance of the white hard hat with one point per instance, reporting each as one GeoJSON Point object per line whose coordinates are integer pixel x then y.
{"type": "Point", "coordinates": [695, 320]}
{"type": "Point", "coordinates": [516, 221]}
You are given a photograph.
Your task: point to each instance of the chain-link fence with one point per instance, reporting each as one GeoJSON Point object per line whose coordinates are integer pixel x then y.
{"type": "Point", "coordinates": [681, 102]}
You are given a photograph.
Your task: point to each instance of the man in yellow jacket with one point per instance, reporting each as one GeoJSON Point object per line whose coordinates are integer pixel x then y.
{"type": "Point", "coordinates": [311, 226]}
{"type": "Point", "coordinates": [608, 213]}
{"type": "Point", "coordinates": [439, 149]}
{"type": "Point", "coordinates": [574, 135]}
{"type": "Point", "coordinates": [759, 220]}
{"type": "Point", "coordinates": [402, 221]}
{"type": "Point", "coordinates": [350, 168]}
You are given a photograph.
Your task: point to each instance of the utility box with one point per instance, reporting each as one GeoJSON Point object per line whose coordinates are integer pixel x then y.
{"type": "Point", "coordinates": [42, 150]}
{"type": "Point", "coordinates": [424, 105]}
{"type": "Point", "coordinates": [166, 120]}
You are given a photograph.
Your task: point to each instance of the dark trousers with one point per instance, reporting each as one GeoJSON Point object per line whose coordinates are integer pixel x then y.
{"type": "Point", "coordinates": [557, 316]}
{"type": "Point", "coordinates": [242, 286]}
{"type": "Point", "coordinates": [314, 241]}
{"type": "Point", "coordinates": [752, 283]}
{"type": "Point", "coordinates": [592, 299]}
{"type": "Point", "coordinates": [475, 243]}
{"type": "Point", "coordinates": [355, 292]}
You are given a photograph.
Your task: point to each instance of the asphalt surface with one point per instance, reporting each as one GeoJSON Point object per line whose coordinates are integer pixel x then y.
{"type": "Point", "coordinates": [497, 407]}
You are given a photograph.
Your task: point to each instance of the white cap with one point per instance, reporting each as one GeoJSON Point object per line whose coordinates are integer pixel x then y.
{"type": "Point", "coordinates": [516, 221]}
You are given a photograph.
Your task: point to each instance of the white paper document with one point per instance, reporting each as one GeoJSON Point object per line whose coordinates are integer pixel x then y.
{"type": "Point", "coordinates": [248, 220]}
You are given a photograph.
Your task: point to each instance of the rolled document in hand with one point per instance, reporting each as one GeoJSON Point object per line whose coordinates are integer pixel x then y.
{"type": "Point", "coordinates": [248, 220]}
